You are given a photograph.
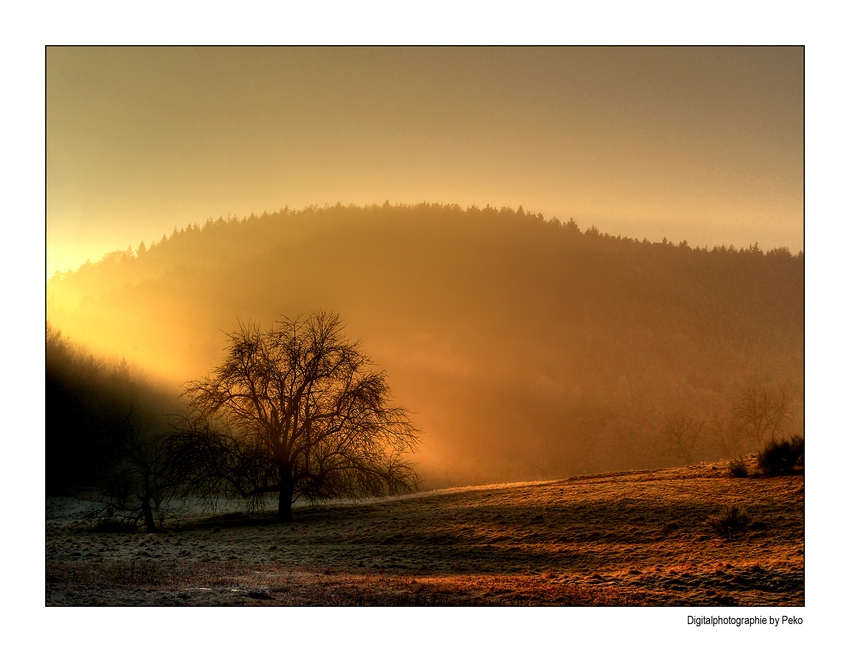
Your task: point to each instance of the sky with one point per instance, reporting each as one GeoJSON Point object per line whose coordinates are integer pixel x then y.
{"type": "Point", "coordinates": [696, 144]}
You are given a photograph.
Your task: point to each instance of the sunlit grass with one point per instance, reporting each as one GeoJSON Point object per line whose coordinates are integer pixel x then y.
{"type": "Point", "coordinates": [633, 538]}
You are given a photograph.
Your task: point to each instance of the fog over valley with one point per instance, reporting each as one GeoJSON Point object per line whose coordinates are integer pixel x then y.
{"type": "Point", "coordinates": [525, 347]}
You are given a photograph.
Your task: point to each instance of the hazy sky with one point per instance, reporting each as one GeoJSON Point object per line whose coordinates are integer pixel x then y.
{"type": "Point", "coordinates": [702, 144]}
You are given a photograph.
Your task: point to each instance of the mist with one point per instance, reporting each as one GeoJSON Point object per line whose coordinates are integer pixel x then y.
{"type": "Point", "coordinates": [525, 347]}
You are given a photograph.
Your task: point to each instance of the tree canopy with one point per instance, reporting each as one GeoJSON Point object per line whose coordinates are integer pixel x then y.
{"type": "Point", "coordinates": [295, 410]}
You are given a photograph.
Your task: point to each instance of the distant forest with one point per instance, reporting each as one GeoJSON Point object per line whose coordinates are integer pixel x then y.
{"type": "Point", "coordinates": [525, 347]}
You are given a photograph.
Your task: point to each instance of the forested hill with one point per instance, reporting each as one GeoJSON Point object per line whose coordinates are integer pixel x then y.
{"type": "Point", "coordinates": [526, 348]}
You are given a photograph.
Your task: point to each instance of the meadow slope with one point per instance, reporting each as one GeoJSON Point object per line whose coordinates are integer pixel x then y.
{"type": "Point", "coordinates": [630, 538]}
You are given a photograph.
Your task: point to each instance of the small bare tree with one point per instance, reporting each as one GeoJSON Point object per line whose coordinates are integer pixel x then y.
{"type": "Point", "coordinates": [296, 410]}
{"type": "Point", "coordinates": [142, 479]}
{"type": "Point", "coordinates": [725, 436]}
{"type": "Point", "coordinates": [758, 414]}
{"type": "Point", "coordinates": [761, 414]}
{"type": "Point", "coordinates": [683, 435]}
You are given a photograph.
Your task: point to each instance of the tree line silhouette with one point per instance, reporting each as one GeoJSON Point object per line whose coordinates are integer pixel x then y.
{"type": "Point", "coordinates": [91, 403]}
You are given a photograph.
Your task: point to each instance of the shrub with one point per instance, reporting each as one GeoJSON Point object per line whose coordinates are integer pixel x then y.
{"type": "Point", "coordinates": [106, 520]}
{"type": "Point", "coordinates": [797, 446]}
{"type": "Point", "coordinates": [731, 523]}
{"type": "Point", "coordinates": [780, 457]}
{"type": "Point", "coordinates": [738, 468]}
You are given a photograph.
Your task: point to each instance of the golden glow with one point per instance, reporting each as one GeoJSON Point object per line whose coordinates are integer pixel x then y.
{"type": "Point", "coordinates": [524, 348]}
{"type": "Point", "coordinates": [697, 144]}
{"type": "Point", "coordinates": [494, 344]}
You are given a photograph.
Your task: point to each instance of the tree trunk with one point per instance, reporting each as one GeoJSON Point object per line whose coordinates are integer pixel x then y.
{"type": "Point", "coordinates": [284, 507]}
{"type": "Point", "coordinates": [148, 512]}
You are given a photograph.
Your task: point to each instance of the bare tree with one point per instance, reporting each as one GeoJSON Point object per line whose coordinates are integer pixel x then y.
{"type": "Point", "coordinates": [296, 410]}
{"type": "Point", "coordinates": [143, 475]}
{"type": "Point", "coordinates": [760, 413]}
{"type": "Point", "coordinates": [683, 434]}
{"type": "Point", "coordinates": [724, 435]}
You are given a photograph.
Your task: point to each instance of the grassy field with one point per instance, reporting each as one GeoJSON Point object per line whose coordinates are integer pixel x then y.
{"type": "Point", "coordinates": [633, 538]}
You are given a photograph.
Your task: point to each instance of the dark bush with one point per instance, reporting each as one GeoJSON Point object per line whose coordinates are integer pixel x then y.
{"type": "Point", "coordinates": [797, 445]}
{"type": "Point", "coordinates": [780, 457]}
{"type": "Point", "coordinates": [731, 523]}
{"type": "Point", "coordinates": [107, 520]}
{"type": "Point", "coordinates": [738, 468]}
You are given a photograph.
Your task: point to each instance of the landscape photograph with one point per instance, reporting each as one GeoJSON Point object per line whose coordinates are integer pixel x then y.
{"type": "Point", "coordinates": [425, 327]}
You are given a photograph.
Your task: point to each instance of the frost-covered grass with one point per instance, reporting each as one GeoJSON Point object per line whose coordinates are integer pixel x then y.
{"type": "Point", "coordinates": [642, 537]}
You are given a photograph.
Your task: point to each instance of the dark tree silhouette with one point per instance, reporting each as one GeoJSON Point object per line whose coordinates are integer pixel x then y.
{"type": "Point", "coordinates": [143, 475]}
{"type": "Point", "coordinates": [84, 402]}
{"type": "Point", "coordinates": [295, 411]}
